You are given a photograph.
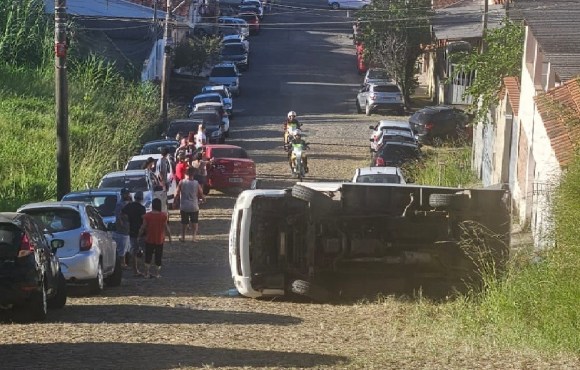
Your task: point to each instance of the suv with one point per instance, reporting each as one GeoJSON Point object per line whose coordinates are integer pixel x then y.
{"type": "Point", "coordinates": [380, 97]}
{"type": "Point", "coordinates": [432, 124]}
{"type": "Point", "coordinates": [30, 277]}
{"type": "Point", "coordinates": [226, 74]}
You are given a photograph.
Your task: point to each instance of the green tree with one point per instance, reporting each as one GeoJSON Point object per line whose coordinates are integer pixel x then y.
{"type": "Point", "coordinates": [502, 58]}
{"type": "Point", "coordinates": [194, 53]}
{"type": "Point", "coordinates": [392, 32]}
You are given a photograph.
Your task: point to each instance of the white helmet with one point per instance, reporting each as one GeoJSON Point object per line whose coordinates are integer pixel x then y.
{"type": "Point", "coordinates": [291, 114]}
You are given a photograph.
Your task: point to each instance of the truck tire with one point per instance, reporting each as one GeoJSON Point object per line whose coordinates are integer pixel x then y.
{"type": "Point", "coordinates": [312, 291]}
{"type": "Point", "coordinates": [320, 204]}
{"type": "Point", "coordinates": [59, 299]}
{"type": "Point", "coordinates": [449, 201]}
{"type": "Point", "coordinates": [115, 278]}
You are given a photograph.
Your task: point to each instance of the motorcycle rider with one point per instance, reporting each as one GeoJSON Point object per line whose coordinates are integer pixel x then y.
{"type": "Point", "coordinates": [298, 143]}
{"type": "Point", "coordinates": [290, 125]}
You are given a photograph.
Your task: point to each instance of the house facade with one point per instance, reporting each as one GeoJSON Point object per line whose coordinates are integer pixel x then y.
{"type": "Point", "coordinates": [530, 139]}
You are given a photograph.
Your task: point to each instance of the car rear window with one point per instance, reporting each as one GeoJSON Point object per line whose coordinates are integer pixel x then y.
{"type": "Point", "coordinates": [378, 74]}
{"type": "Point", "coordinates": [394, 151]}
{"type": "Point", "coordinates": [223, 72]}
{"type": "Point", "coordinates": [379, 178]}
{"type": "Point", "coordinates": [10, 237]}
{"type": "Point", "coordinates": [105, 204]}
{"type": "Point", "coordinates": [387, 88]}
{"type": "Point", "coordinates": [133, 183]}
{"type": "Point", "coordinates": [208, 116]}
{"type": "Point", "coordinates": [229, 153]}
{"type": "Point", "coordinates": [207, 99]}
{"type": "Point", "coordinates": [55, 220]}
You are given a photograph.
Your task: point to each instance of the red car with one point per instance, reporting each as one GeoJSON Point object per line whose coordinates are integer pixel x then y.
{"type": "Point", "coordinates": [253, 21]}
{"type": "Point", "coordinates": [229, 167]}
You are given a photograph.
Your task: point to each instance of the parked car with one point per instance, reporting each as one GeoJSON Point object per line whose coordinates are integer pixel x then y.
{"type": "Point", "coordinates": [104, 200]}
{"type": "Point", "coordinates": [212, 114]}
{"type": "Point", "coordinates": [210, 97]}
{"type": "Point", "coordinates": [379, 98]}
{"type": "Point", "coordinates": [252, 18]}
{"type": "Point", "coordinates": [236, 38]}
{"type": "Point", "coordinates": [386, 135]}
{"type": "Point", "coordinates": [229, 167]}
{"type": "Point", "coordinates": [348, 4]}
{"type": "Point", "coordinates": [235, 53]}
{"type": "Point", "coordinates": [89, 254]}
{"type": "Point", "coordinates": [31, 280]}
{"type": "Point", "coordinates": [226, 74]}
{"type": "Point", "coordinates": [256, 4]}
{"type": "Point", "coordinates": [136, 163]}
{"type": "Point", "coordinates": [238, 24]}
{"type": "Point", "coordinates": [183, 127]}
{"type": "Point", "coordinates": [379, 175]}
{"type": "Point", "coordinates": [225, 26]}
{"type": "Point", "coordinates": [435, 123]}
{"type": "Point", "coordinates": [137, 180]}
{"type": "Point", "coordinates": [377, 76]}
{"type": "Point", "coordinates": [155, 146]}
{"type": "Point", "coordinates": [395, 154]}
{"type": "Point", "coordinates": [226, 96]}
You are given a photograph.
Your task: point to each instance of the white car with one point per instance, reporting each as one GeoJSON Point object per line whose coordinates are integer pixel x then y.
{"type": "Point", "coordinates": [348, 4]}
{"type": "Point", "coordinates": [392, 126]}
{"type": "Point", "coordinates": [379, 175]}
{"type": "Point", "coordinates": [136, 163]}
{"type": "Point", "coordinates": [214, 107]}
{"type": "Point", "coordinates": [226, 96]}
{"type": "Point", "coordinates": [208, 97]}
{"type": "Point", "coordinates": [387, 134]}
{"type": "Point", "coordinates": [135, 180]}
{"type": "Point", "coordinates": [89, 254]}
{"type": "Point", "coordinates": [235, 39]}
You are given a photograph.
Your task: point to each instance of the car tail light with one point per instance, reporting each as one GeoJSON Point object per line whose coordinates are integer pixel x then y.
{"type": "Point", "coordinates": [26, 248]}
{"type": "Point", "coordinates": [86, 241]}
{"type": "Point", "coordinates": [380, 162]}
{"type": "Point", "coordinates": [429, 126]}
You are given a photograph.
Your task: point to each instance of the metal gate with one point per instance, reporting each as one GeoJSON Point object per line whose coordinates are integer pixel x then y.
{"type": "Point", "coordinates": [459, 84]}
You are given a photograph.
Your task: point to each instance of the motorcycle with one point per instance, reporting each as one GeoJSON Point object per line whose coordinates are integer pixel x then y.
{"type": "Point", "coordinates": [297, 167]}
{"type": "Point", "coordinates": [289, 136]}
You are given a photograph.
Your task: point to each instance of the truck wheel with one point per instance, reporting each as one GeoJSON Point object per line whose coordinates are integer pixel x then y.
{"type": "Point", "coordinates": [312, 291]}
{"type": "Point", "coordinates": [59, 299]}
{"type": "Point", "coordinates": [115, 278]}
{"type": "Point", "coordinates": [450, 201]}
{"type": "Point", "coordinates": [320, 204]}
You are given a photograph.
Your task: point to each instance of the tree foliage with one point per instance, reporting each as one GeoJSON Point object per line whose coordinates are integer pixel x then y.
{"type": "Point", "coordinates": [24, 27]}
{"type": "Point", "coordinates": [392, 32]}
{"type": "Point", "coordinates": [194, 53]}
{"type": "Point", "coordinates": [502, 58]}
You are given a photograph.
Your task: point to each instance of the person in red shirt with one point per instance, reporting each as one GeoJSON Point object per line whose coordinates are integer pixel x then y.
{"type": "Point", "coordinates": [155, 227]}
{"type": "Point", "coordinates": [181, 168]}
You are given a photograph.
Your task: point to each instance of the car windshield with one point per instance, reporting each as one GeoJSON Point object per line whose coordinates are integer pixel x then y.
{"type": "Point", "coordinates": [156, 148]}
{"type": "Point", "coordinates": [223, 72]}
{"type": "Point", "coordinates": [56, 220]}
{"type": "Point", "coordinates": [377, 74]}
{"type": "Point", "coordinates": [229, 153]}
{"type": "Point", "coordinates": [379, 178]}
{"type": "Point", "coordinates": [387, 88]}
{"type": "Point", "coordinates": [133, 183]}
{"type": "Point", "coordinates": [105, 204]}
{"type": "Point", "coordinates": [233, 49]}
{"type": "Point", "coordinates": [214, 98]}
{"type": "Point", "coordinates": [136, 164]}
{"type": "Point", "coordinates": [184, 128]}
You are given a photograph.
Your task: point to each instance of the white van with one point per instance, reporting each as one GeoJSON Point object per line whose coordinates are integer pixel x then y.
{"type": "Point", "coordinates": [322, 240]}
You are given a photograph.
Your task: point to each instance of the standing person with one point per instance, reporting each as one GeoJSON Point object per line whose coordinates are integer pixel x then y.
{"type": "Point", "coordinates": [200, 164]}
{"type": "Point", "coordinates": [121, 233]}
{"type": "Point", "coordinates": [155, 227]}
{"type": "Point", "coordinates": [149, 164]}
{"type": "Point", "coordinates": [135, 212]}
{"type": "Point", "coordinates": [187, 195]}
{"type": "Point", "coordinates": [163, 169]}
{"type": "Point", "coordinates": [181, 168]}
{"type": "Point", "coordinates": [200, 138]}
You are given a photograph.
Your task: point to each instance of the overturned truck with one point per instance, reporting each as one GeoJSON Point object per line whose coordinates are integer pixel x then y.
{"type": "Point", "coordinates": [326, 240]}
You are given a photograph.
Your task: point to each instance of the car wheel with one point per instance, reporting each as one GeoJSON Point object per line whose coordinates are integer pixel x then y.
{"type": "Point", "coordinates": [368, 110]}
{"type": "Point", "coordinates": [115, 278]}
{"type": "Point", "coordinates": [335, 6]}
{"type": "Point", "coordinates": [97, 285]}
{"type": "Point", "coordinates": [59, 299]}
{"type": "Point", "coordinates": [312, 291]}
{"type": "Point", "coordinates": [358, 108]}
{"type": "Point", "coordinates": [38, 304]}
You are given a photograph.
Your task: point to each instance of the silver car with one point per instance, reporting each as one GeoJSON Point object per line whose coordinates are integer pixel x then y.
{"type": "Point", "coordinates": [226, 96]}
{"type": "Point", "coordinates": [380, 97]}
{"type": "Point", "coordinates": [89, 254]}
{"type": "Point", "coordinates": [226, 74]}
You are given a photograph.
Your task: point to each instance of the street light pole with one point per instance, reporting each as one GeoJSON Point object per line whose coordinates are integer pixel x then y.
{"type": "Point", "coordinates": [61, 97]}
{"type": "Point", "coordinates": [165, 69]}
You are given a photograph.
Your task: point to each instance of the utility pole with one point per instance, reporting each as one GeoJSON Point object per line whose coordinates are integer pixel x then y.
{"type": "Point", "coordinates": [166, 64]}
{"type": "Point", "coordinates": [484, 26]}
{"type": "Point", "coordinates": [61, 96]}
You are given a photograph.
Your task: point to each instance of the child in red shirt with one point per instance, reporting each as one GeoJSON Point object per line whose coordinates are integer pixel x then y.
{"type": "Point", "coordinates": [154, 227]}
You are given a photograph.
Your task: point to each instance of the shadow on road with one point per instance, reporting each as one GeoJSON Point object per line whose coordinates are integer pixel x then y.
{"type": "Point", "coordinates": [181, 314]}
{"type": "Point", "coordinates": [117, 355]}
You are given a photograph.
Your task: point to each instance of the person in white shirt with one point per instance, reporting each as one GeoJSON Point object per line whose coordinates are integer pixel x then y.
{"type": "Point", "coordinates": [200, 138]}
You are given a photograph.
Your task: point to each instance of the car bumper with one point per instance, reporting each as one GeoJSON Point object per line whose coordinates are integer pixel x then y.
{"type": "Point", "coordinates": [386, 106]}
{"type": "Point", "coordinates": [17, 284]}
{"type": "Point", "coordinates": [232, 181]}
{"type": "Point", "coordinates": [80, 267]}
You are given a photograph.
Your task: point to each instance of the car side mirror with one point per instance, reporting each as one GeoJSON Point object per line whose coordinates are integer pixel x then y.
{"type": "Point", "coordinates": [56, 244]}
{"type": "Point", "coordinates": [157, 188]}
